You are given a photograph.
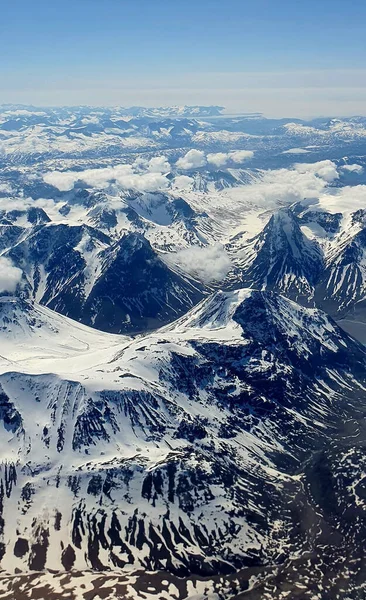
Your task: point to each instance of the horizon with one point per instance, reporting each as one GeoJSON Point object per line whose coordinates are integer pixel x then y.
{"type": "Point", "coordinates": [9, 106]}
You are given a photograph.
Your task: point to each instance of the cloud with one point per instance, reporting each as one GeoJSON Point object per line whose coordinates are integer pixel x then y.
{"type": "Point", "coordinates": [325, 169]}
{"type": "Point", "coordinates": [239, 156]}
{"type": "Point", "coordinates": [192, 160]}
{"type": "Point", "coordinates": [142, 175]}
{"type": "Point", "coordinates": [140, 164]}
{"type": "Point", "coordinates": [353, 168]}
{"type": "Point", "coordinates": [347, 199]}
{"type": "Point", "coordinates": [22, 204]}
{"type": "Point", "coordinates": [183, 181]}
{"type": "Point", "coordinates": [122, 175]}
{"type": "Point", "coordinates": [220, 159]}
{"type": "Point", "coordinates": [296, 151]}
{"type": "Point", "coordinates": [62, 180]}
{"type": "Point", "coordinates": [10, 275]}
{"type": "Point", "coordinates": [209, 263]}
{"type": "Point", "coordinates": [159, 164]}
{"type": "Point", "coordinates": [278, 187]}
{"type": "Point", "coordinates": [5, 188]}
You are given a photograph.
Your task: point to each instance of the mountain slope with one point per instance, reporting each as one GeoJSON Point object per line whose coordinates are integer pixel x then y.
{"type": "Point", "coordinates": [312, 252]}
{"type": "Point", "coordinates": [36, 335]}
{"type": "Point", "coordinates": [281, 258]}
{"type": "Point", "coordinates": [180, 450]}
{"type": "Point", "coordinates": [342, 291]}
{"type": "Point", "coordinates": [117, 286]}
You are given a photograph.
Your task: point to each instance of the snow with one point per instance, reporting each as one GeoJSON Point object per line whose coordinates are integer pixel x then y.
{"type": "Point", "coordinates": [34, 337]}
{"type": "Point", "coordinates": [56, 372]}
{"type": "Point", "coordinates": [222, 137]}
{"type": "Point", "coordinates": [338, 128]}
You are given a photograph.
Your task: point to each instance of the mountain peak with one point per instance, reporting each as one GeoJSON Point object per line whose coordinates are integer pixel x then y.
{"type": "Point", "coordinates": [282, 258]}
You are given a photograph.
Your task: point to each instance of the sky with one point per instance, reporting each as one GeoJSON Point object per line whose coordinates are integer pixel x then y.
{"type": "Point", "coordinates": [280, 57]}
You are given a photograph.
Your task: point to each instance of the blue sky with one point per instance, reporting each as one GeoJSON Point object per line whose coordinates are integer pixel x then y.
{"type": "Point", "coordinates": [247, 55]}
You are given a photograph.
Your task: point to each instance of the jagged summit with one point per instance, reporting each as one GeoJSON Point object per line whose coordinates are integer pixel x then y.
{"type": "Point", "coordinates": [281, 257]}
{"type": "Point", "coordinates": [213, 313]}
{"type": "Point", "coordinates": [264, 319]}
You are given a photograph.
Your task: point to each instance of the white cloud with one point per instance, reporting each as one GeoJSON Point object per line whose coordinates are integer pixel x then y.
{"type": "Point", "coordinates": [22, 204]}
{"type": "Point", "coordinates": [123, 175]}
{"type": "Point", "coordinates": [220, 159]}
{"type": "Point", "coordinates": [353, 168]}
{"type": "Point", "coordinates": [296, 151]}
{"type": "Point", "coordinates": [280, 187]}
{"type": "Point", "coordinates": [182, 181]}
{"type": "Point", "coordinates": [325, 169]}
{"type": "Point", "coordinates": [6, 188]}
{"type": "Point", "coordinates": [240, 156]}
{"type": "Point", "coordinates": [10, 275]}
{"type": "Point", "coordinates": [345, 199]}
{"type": "Point", "coordinates": [192, 160]}
{"type": "Point", "coordinates": [159, 164]}
{"type": "Point", "coordinates": [63, 181]}
{"type": "Point", "coordinates": [209, 263]}
{"type": "Point", "coordinates": [140, 164]}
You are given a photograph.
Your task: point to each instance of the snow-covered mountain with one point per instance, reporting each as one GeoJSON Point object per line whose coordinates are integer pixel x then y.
{"type": "Point", "coordinates": [115, 286]}
{"type": "Point", "coordinates": [313, 252]}
{"type": "Point", "coordinates": [185, 450]}
{"type": "Point", "coordinates": [281, 258]}
{"type": "Point", "coordinates": [219, 451]}
{"type": "Point", "coordinates": [30, 135]}
{"type": "Point", "coordinates": [297, 231]}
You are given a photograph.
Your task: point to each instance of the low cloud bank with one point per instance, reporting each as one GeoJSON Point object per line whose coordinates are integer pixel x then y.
{"type": "Point", "coordinates": [159, 164]}
{"type": "Point", "coordinates": [221, 159]}
{"type": "Point", "coordinates": [183, 181]}
{"type": "Point", "coordinates": [325, 169]}
{"type": "Point", "coordinates": [278, 186]}
{"type": "Point", "coordinates": [123, 175]}
{"type": "Point", "coordinates": [194, 159]}
{"type": "Point", "coordinates": [209, 263]}
{"type": "Point", "coordinates": [10, 275]}
{"type": "Point", "coordinates": [143, 175]}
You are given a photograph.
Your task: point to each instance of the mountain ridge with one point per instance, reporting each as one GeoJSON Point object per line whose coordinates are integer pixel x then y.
{"type": "Point", "coordinates": [196, 418]}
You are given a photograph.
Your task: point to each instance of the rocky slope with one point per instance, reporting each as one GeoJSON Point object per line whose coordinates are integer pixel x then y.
{"type": "Point", "coordinates": [309, 253]}
{"type": "Point", "coordinates": [187, 450]}
{"type": "Point", "coordinates": [115, 285]}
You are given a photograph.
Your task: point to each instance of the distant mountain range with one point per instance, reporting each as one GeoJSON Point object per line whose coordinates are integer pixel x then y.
{"type": "Point", "coordinates": [132, 111]}
{"type": "Point", "coordinates": [33, 135]}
